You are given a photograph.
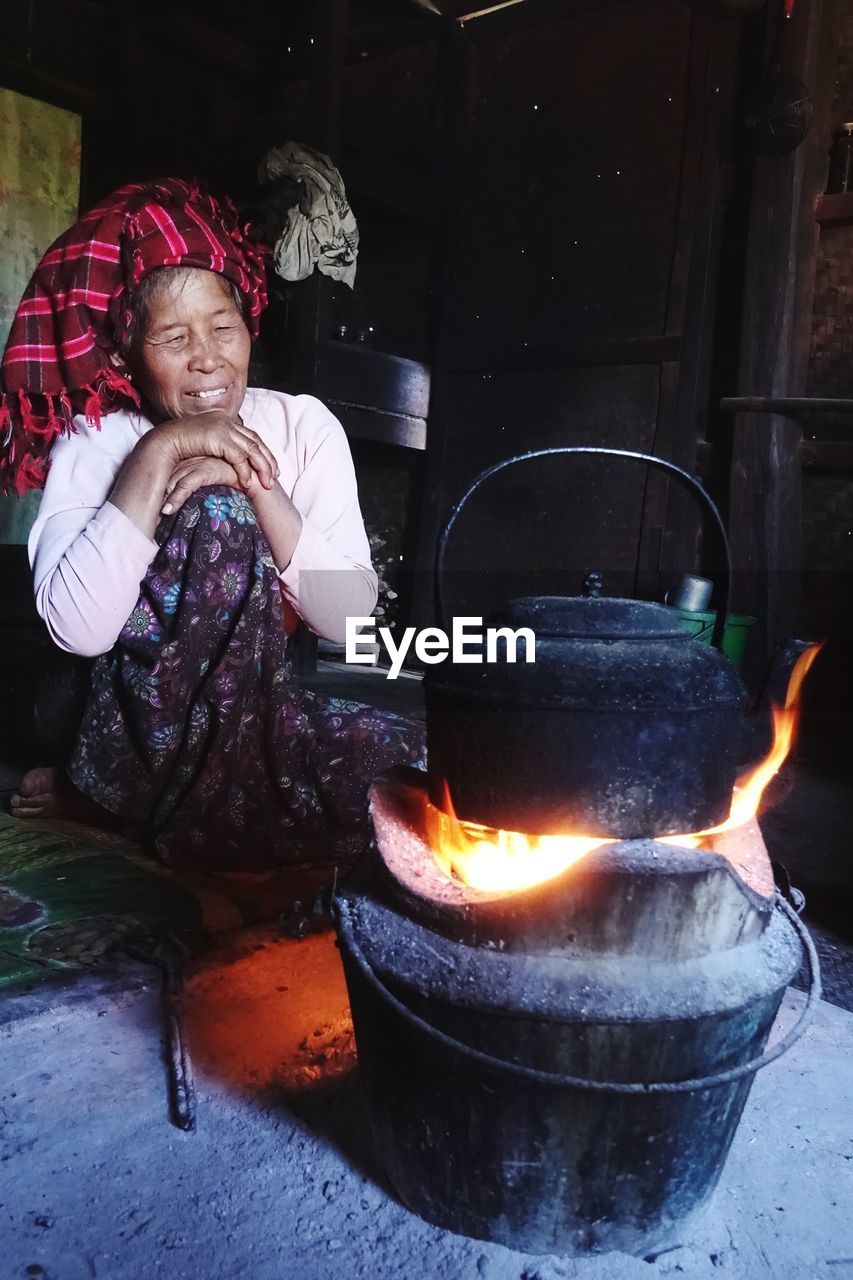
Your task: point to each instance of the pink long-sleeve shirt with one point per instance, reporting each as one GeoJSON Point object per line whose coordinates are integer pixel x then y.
{"type": "Point", "coordinates": [89, 559]}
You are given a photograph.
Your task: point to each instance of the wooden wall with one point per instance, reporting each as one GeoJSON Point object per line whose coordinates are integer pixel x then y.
{"type": "Point", "coordinates": [542, 195]}
{"type": "Point", "coordinates": [589, 188]}
{"type": "Point", "coordinates": [827, 483]}
{"type": "Point", "coordinates": [828, 492]}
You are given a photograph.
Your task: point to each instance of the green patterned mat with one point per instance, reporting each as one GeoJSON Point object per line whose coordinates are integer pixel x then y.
{"type": "Point", "coordinates": [69, 900]}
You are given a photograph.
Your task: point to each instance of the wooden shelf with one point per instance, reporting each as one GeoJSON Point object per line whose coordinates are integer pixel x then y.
{"type": "Point", "coordinates": [365, 423]}
{"type": "Point", "coordinates": [355, 374]}
{"type": "Point", "coordinates": [377, 396]}
{"type": "Point", "coordinates": [834, 210]}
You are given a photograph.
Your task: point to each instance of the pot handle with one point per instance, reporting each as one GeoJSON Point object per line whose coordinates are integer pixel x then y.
{"type": "Point", "coordinates": [532, 1075]}
{"type": "Point", "coordinates": [689, 481]}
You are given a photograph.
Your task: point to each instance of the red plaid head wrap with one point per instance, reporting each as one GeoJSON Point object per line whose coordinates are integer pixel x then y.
{"type": "Point", "coordinates": [76, 310]}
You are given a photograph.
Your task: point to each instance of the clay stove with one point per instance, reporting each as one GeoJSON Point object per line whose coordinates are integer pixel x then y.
{"type": "Point", "coordinates": [560, 1069]}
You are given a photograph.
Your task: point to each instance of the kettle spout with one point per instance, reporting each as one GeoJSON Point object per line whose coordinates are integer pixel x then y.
{"type": "Point", "coordinates": [757, 737]}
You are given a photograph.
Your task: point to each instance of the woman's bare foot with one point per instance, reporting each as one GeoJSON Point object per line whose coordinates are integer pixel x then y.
{"type": "Point", "coordinates": [47, 793]}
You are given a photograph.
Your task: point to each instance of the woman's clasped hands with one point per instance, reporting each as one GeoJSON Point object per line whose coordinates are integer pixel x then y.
{"type": "Point", "coordinates": [211, 448]}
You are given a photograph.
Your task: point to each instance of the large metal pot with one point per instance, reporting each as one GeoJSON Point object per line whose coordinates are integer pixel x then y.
{"type": "Point", "coordinates": [623, 726]}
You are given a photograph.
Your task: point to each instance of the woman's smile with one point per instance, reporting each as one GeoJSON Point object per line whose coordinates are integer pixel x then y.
{"type": "Point", "coordinates": [209, 392]}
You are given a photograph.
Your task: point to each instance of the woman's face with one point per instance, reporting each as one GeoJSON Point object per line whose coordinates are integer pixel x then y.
{"type": "Point", "coordinates": [192, 353]}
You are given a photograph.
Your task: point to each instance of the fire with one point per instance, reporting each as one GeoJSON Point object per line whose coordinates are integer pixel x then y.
{"type": "Point", "coordinates": [495, 861]}
{"type": "Point", "coordinates": [749, 789]}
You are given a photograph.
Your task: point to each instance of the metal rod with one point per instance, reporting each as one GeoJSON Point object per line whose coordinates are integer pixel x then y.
{"type": "Point", "coordinates": [792, 405]}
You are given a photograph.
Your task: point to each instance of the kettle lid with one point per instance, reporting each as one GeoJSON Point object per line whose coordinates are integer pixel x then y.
{"type": "Point", "coordinates": [591, 618]}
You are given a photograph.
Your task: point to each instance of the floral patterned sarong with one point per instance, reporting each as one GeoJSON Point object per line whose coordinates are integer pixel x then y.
{"type": "Point", "coordinates": [195, 728]}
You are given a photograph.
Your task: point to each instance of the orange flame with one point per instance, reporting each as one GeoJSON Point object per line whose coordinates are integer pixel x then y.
{"type": "Point", "coordinates": [500, 860]}
{"type": "Point", "coordinates": [750, 788]}
{"type": "Point", "coordinates": [506, 861]}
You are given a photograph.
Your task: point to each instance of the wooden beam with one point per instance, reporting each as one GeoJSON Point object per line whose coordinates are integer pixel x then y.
{"type": "Point", "coordinates": [463, 10]}
{"type": "Point", "coordinates": [33, 83]}
{"type": "Point", "coordinates": [791, 406]}
{"type": "Point", "coordinates": [506, 21]}
{"type": "Point", "coordinates": [765, 508]}
{"type": "Point", "coordinates": [466, 10]}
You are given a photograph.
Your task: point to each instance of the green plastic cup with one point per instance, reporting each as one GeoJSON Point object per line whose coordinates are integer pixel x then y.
{"type": "Point", "coordinates": [735, 636]}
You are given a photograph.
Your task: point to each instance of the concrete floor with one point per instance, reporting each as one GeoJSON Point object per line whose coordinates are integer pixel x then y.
{"type": "Point", "coordinates": [280, 1178]}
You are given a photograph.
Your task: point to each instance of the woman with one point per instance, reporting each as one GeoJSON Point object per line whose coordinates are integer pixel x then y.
{"type": "Point", "coordinates": [187, 523]}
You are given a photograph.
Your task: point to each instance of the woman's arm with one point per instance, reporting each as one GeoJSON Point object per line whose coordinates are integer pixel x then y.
{"type": "Point", "coordinates": [86, 595]}
{"type": "Point", "coordinates": [327, 576]}
{"type": "Point", "coordinates": [280, 522]}
{"type": "Point", "coordinates": [88, 557]}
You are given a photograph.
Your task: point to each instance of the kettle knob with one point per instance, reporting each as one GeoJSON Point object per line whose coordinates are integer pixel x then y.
{"type": "Point", "coordinates": [593, 584]}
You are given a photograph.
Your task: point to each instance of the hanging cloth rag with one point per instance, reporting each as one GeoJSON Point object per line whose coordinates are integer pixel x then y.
{"type": "Point", "coordinates": [319, 228]}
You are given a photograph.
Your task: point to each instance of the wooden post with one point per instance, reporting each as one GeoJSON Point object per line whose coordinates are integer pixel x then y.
{"type": "Point", "coordinates": [670, 538]}
{"type": "Point", "coordinates": [327, 80]}
{"type": "Point", "coordinates": [778, 285]}
{"type": "Point", "coordinates": [458, 58]}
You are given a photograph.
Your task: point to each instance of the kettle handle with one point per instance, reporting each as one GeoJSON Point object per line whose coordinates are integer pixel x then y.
{"type": "Point", "coordinates": [689, 481]}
